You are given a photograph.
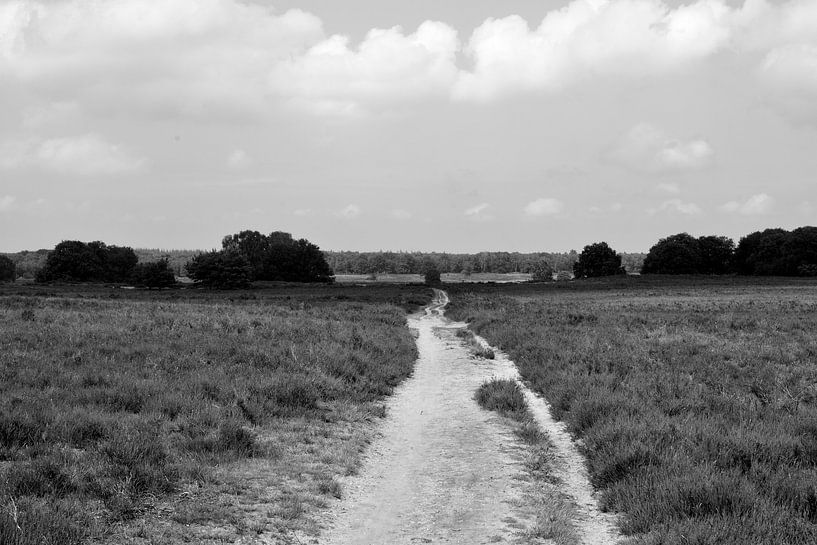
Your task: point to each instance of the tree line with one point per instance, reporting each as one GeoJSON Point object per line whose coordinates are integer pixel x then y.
{"type": "Point", "coordinates": [245, 257]}
{"type": "Point", "coordinates": [482, 262]}
{"type": "Point", "coordinates": [772, 252]}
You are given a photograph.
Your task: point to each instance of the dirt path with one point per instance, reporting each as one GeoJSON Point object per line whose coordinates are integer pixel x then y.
{"type": "Point", "coordinates": [443, 470]}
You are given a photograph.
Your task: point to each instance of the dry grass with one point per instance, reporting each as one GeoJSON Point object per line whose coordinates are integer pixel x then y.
{"type": "Point", "coordinates": [178, 417]}
{"type": "Point", "coordinates": [695, 405]}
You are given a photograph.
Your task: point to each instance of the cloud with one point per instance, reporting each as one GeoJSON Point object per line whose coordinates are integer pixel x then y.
{"type": "Point", "coordinates": [238, 159]}
{"type": "Point", "coordinates": [185, 57]}
{"type": "Point", "coordinates": [587, 39]}
{"type": "Point", "coordinates": [671, 188]}
{"type": "Point", "coordinates": [211, 58]}
{"type": "Point", "coordinates": [84, 155]}
{"type": "Point", "coordinates": [400, 214]}
{"type": "Point", "coordinates": [649, 149]}
{"type": "Point", "coordinates": [759, 204]}
{"type": "Point", "coordinates": [387, 65]}
{"type": "Point", "coordinates": [302, 212]}
{"type": "Point", "coordinates": [677, 206]}
{"type": "Point", "coordinates": [479, 212]}
{"type": "Point", "coordinates": [789, 76]}
{"type": "Point", "coordinates": [350, 212]}
{"type": "Point", "coordinates": [7, 202]}
{"type": "Point", "coordinates": [543, 207]}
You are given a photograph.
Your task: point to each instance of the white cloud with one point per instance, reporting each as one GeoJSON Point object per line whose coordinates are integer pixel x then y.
{"type": "Point", "coordinates": [400, 214]}
{"type": "Point", "coordinates": [7, 202]}
{"type": "Point", "coordinates": [543, 207]}
{"type": "Point", "coordinates": [759, 204]}
{"type": "Point", "coordinates": [388, 65]}
{"type": "Point", "coordinates": [671, 188]}
{"type": "Point", "coordinates": [301, 212]}
{"type": "Point", "coordinates": [84, 155]}
{"type": "Point", "coordinates": [789, 75]}
{"type": "Point", "coordinates": [479, 212]}
{"type": "Point", "coordinates": [230, 57]}
{"type": "Point", "coordinates": [586, 39]}
{"type": "Point", "coordinates": [238, 159]}
{"type": "Point", "coordinates": [350, 212]}
{"type": "Point", "coordinates": [185, 57]}
{"type": "Point", "coordinates": [649, 149]}
{"type": "Point", "coordinates": [677, 206]}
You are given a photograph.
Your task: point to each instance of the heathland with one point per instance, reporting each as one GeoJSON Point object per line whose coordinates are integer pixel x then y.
{"type": "Point", "coordinates": [693, 399]}
{"type": "Point", "coordinates": [170, 416]}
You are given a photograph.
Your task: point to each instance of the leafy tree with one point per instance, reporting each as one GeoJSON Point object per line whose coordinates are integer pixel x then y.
{"type": "Point", "coordinates": [802, 251]}
{"type": "Point", "coordinates": [717, 254]}
{"type": "Point", "coordinates": [154, 274]}
{"type": "Point", "coordinates": [677, 254]}
{"type": "Point", "coordinates": [8, 269]}
{"type": "Point", "coordinates": [220, 269]}
{"type": "Point", "coordinates": [119, 263]}
{"type": "Point", "coordinates": [278, 256]}
{"type": "Point", "coordinates": [75, 261]}
{"type": "Point", "coordinates": [432, 277]}
{"type": "Point", "coordinates": [763, 253]}
{"type": "Point", "coordinates": [598, 260]}
{"type": "Point", "coordinates": [542, 272]}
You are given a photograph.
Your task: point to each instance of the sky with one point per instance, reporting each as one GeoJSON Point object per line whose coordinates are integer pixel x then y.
{"type": "Point", "coordinates": [430, 125]}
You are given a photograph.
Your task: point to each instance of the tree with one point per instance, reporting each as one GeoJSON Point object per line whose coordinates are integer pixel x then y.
{"type": "Point", "coordinates": [278, 256]}
{"type": "Point", "coordinates": [154, 274]}
{"type": "Point", "coordinates": [432, 276]}
{"type": "Point", "coordinates": [598, 260]}
{"type": "Point", "coordinates": [677, 254]}
{"type": "Point", "coordinates": [75, 261]}
{"type": "Point", "coordinates": [223, 269]}
{"type": "Point", "coordinates": [542, 272]}
{"type": "Point", "coordinates": [763, 253]}
{"type": "Point", "coordinates": [119, 263]}
{"type": "Point", "coordinates": [8, 269]}
{"type": "Point", "coordinates": [717, 254]}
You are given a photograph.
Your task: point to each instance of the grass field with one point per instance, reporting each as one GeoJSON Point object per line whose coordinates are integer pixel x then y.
{"type": "Point", "coordinates": [189, 416]}
{"type": "Point", "coordinates": [695, 400]}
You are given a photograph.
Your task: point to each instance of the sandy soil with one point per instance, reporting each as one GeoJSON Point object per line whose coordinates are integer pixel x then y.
{"type": "Point", "coordinates": [444, 470]}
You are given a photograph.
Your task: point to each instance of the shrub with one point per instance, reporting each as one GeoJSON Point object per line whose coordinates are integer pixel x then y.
{"type": "Point", "coordinates": [154, 274]}
{"type": "Point", "coordinates": [504, 396]}
{"type": "Point", "coordinates": [8, 270]}
{"type": "Point", "coordinates": [542, 272]}
{"type": "Point", "coordinates": [432, 277]}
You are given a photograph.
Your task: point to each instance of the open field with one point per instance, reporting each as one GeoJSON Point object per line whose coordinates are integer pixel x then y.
{"type": "Point", "coordinates": [694, 399]}
{"type": "Point", "coordinates": [184, 415]}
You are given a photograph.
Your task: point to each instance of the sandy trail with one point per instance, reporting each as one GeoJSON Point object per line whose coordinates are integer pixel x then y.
{"type": "Point", "coordinates": [442, 469]}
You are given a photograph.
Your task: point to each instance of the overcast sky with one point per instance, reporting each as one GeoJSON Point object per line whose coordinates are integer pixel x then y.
{"type": "Point", "coordinates": [405, 125]}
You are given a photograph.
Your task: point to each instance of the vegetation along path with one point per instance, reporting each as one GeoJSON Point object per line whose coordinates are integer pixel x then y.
{"type": "Point", "coordinates": [444, 470]}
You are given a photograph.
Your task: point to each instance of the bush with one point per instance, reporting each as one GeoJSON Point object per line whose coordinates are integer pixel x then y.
{"type": "Point", "coordinates": [154, 274]}
{"type": "Point", "coordinates": [504, 396]}
{"type": "Point", "coordinates": [542, 272]}
{"type": "Point", "coordinates": [222, 270]}
{"type": "Point", "coordinates": [8, 270]}
{"type": "Point", "coordinates": [432, 277]}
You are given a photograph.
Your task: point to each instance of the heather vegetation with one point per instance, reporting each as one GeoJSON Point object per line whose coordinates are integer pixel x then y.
{"type": "Point", "coordinates": [167, 416]}
{"type": "Point", "coordinates": [694, 401]}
